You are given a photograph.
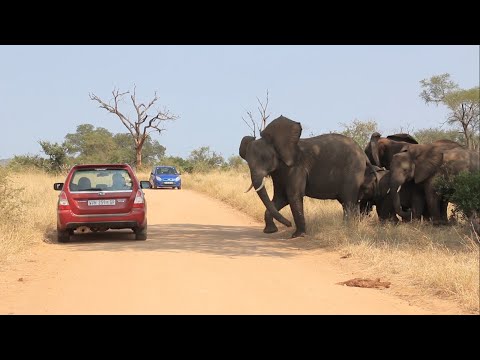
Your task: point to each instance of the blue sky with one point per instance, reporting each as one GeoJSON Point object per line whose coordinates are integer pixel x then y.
{"type": "Point", "coordinates": [44, 89]}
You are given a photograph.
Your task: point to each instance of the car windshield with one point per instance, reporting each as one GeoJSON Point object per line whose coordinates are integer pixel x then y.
{"type": "Point", "coordinates": [101, 180]}
{"type": "Point", "coordinates": [166, 170]}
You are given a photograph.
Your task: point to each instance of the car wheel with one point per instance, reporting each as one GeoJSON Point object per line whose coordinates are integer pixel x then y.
{"type": "Point", "coordinates": [179, 187]}
{"type": "Point", "coordinates": [63, 236]}
{"type": "Point", "coordinates": [141, 234]}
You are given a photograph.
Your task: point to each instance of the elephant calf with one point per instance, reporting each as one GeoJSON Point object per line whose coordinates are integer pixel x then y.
{"type": "Point", "coordinates": [375, 190]}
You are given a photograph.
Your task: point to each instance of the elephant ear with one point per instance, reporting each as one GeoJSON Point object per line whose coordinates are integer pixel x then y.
{"type": "Point", "coordinates": [427, 163]}
{"type": "Point", "coordinates": [284, 134]}
{"type": "Point", "coordinates": [403, 137]}
{"type": "Point", "coordinates": [244, 145]}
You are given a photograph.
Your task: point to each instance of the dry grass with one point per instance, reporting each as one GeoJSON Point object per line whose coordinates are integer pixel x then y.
{"type": "Point", "coordinates": [443, 261]}
{"type": "Point", "coordinates": [30, 216]}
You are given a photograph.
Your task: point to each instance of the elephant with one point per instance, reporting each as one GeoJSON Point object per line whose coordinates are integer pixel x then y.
{"type": "Point", "coordinates": [375, 190]}
{"type": "Point", "coordinates": [381, 150]}
{"type": "Point", "coordinates": [328, 166]}
{"type": "Point", "coordinates": [423, 164]}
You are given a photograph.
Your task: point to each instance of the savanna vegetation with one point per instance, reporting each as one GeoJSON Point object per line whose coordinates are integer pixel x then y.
{"type": "Point", "coordinates": [443, 261]}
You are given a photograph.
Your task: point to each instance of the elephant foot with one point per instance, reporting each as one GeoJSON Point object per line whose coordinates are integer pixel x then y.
{"type": "Point", "coordinates": [270, 229]}
{"type": "Point", "coordinates": [298, 234]}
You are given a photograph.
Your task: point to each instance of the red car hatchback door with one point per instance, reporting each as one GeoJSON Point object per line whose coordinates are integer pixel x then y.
{"type": "Point", "coordinates": [101, 191]}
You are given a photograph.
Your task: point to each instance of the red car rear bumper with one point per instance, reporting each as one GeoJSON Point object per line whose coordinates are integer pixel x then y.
{"type": "Point", "coordinates": [66, 219]}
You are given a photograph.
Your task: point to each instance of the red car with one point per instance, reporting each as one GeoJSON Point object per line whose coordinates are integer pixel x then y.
{"type": "Point", "coordinates": [101, 197]}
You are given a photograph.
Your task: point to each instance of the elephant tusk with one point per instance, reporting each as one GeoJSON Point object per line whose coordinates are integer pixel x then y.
{"type": "Point", "coordinates": [388, 191]}
{"type": "Point", "coordinates": [399, 187]}
{"type": "Point", "coordinates": [261, 186]}
{"type": "Point", "coordinates": [251, 185]}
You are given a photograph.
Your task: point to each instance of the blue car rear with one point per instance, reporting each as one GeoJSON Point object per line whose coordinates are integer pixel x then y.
{"type": "Point", "coordinates": [165, 177]}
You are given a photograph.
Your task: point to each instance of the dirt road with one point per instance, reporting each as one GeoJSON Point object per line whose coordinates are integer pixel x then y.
{"type": "Point", "coordinates": [201, 257]}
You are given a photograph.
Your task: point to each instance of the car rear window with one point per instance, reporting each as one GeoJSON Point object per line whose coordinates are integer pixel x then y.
{"type": "Point", "coordinates": [101, 180]}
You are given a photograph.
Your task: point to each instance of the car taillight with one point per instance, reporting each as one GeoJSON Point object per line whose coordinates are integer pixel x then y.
{"type": "Point", "coordinates": [63, 201]}
{"type": "Point", "coordinates": [139, 201]}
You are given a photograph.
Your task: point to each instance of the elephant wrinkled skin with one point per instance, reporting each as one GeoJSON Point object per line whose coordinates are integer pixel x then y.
{"type": "Point", "coordinates": [423, 164]}
{"type": "Point", "coordinates": [329, 166]}
{"type": "Point", "coordinates": [375, 191]}
{"type": "Point", "coordinates": [381, 150]}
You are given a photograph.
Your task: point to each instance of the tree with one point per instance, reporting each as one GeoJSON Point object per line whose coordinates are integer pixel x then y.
{"type": "Point", "coordinates": [262, 109]}
{"type": "Point", "coordinates": [205, 159]}
{"type": "Point", "coordinates": [98, 145]}
{"type": "Point", "coordinates": [360, 131]}
{"type": "Point", "coordinates": [462, 103]}
{"type": "Point", "coordinates": [91, 145]}
{"type": "Point", "coordinates": [145, 122]}
{"type": "Point", "coordinates": [235, 161]}
{"type": "Point", "coordinates": [152, 151]}
{"type": "Point", "coordinates": [181, 164]}
{"type": "Point", "coordinates": [427, 136]}
{"type": "Point", "coordinates": [57, 155]}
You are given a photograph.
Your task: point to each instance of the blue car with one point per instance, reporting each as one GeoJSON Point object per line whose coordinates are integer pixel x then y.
{"type": "Point", "coordinates": [165, 177]}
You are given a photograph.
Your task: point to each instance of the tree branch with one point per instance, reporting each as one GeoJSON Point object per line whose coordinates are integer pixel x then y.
{"type": "Point", "coordinates": [139, 129]}
{"type": "Point", "coordinates": [114, 109]}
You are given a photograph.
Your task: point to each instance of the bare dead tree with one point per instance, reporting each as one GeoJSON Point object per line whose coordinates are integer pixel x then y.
{"type": "Point", "coordinates": [253, 125]}
{"type": "Point", "coordinates": [262, 109]}
{"type": "Point", "coordinates": [145, 121]}
{"type": "Point", "coordinates": [467, 116]}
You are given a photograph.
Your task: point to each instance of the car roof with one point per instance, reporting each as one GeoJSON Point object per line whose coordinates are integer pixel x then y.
{"type": "Point", "coordinates": [98, 166]}
{"type": "Point", "coordinates": [102, 166]}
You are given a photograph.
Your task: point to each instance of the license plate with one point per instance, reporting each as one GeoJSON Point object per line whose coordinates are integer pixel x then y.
{"type": "Point", "coordinates": [168, 182]}
{"type": "Point", "coordinates": [100, 202]}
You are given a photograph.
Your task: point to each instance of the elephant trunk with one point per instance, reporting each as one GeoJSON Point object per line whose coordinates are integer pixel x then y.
{"type": "Point", "coordinates": [395, 194]}
{"type": "Point", "coordinates": [262, 193]}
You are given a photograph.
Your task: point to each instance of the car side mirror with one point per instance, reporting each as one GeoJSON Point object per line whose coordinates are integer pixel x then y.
{"type": "Point", "coordinates": [58, 186]}
{"type": "Point", "coordinates": [145, 185]}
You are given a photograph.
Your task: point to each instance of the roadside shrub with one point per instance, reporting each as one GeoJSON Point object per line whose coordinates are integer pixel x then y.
{"type": "Point", "coordinates": [27, 162]}
{"type": "Point", "coordinates": [463, 191]}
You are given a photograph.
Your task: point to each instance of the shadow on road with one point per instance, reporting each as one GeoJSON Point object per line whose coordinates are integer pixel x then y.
{"type": "Point", "coordinates": [210, 239]}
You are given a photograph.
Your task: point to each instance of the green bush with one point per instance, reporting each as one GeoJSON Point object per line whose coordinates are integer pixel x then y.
{"type": "Point", "coordinates": [463, 191]}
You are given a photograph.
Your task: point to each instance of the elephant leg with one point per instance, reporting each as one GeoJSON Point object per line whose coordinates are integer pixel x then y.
{"type": "Point", "coordinates": [296, 206]}
{"type": "Point", "coordinates": [351, 209]}
{"type": "Point", "coordinates": [434, 205]}
{"type": "Point", "coordinates": [279, 202]}
{"type": "Point", "coordinates": [418, 204]}
{"type": "Point", "coordinates": [366, 206]}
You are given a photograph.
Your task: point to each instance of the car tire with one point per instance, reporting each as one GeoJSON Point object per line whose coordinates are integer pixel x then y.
{"type": "Point", "coordinates": [179, 187]}
{"type": "Point", "coordinates": [63, 236]}
{"type": "Point", "coordinates": [141, 234]}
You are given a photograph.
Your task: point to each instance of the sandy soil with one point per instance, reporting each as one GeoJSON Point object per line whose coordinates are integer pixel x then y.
{"type": "Point", "coordinates": [201, 257]}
